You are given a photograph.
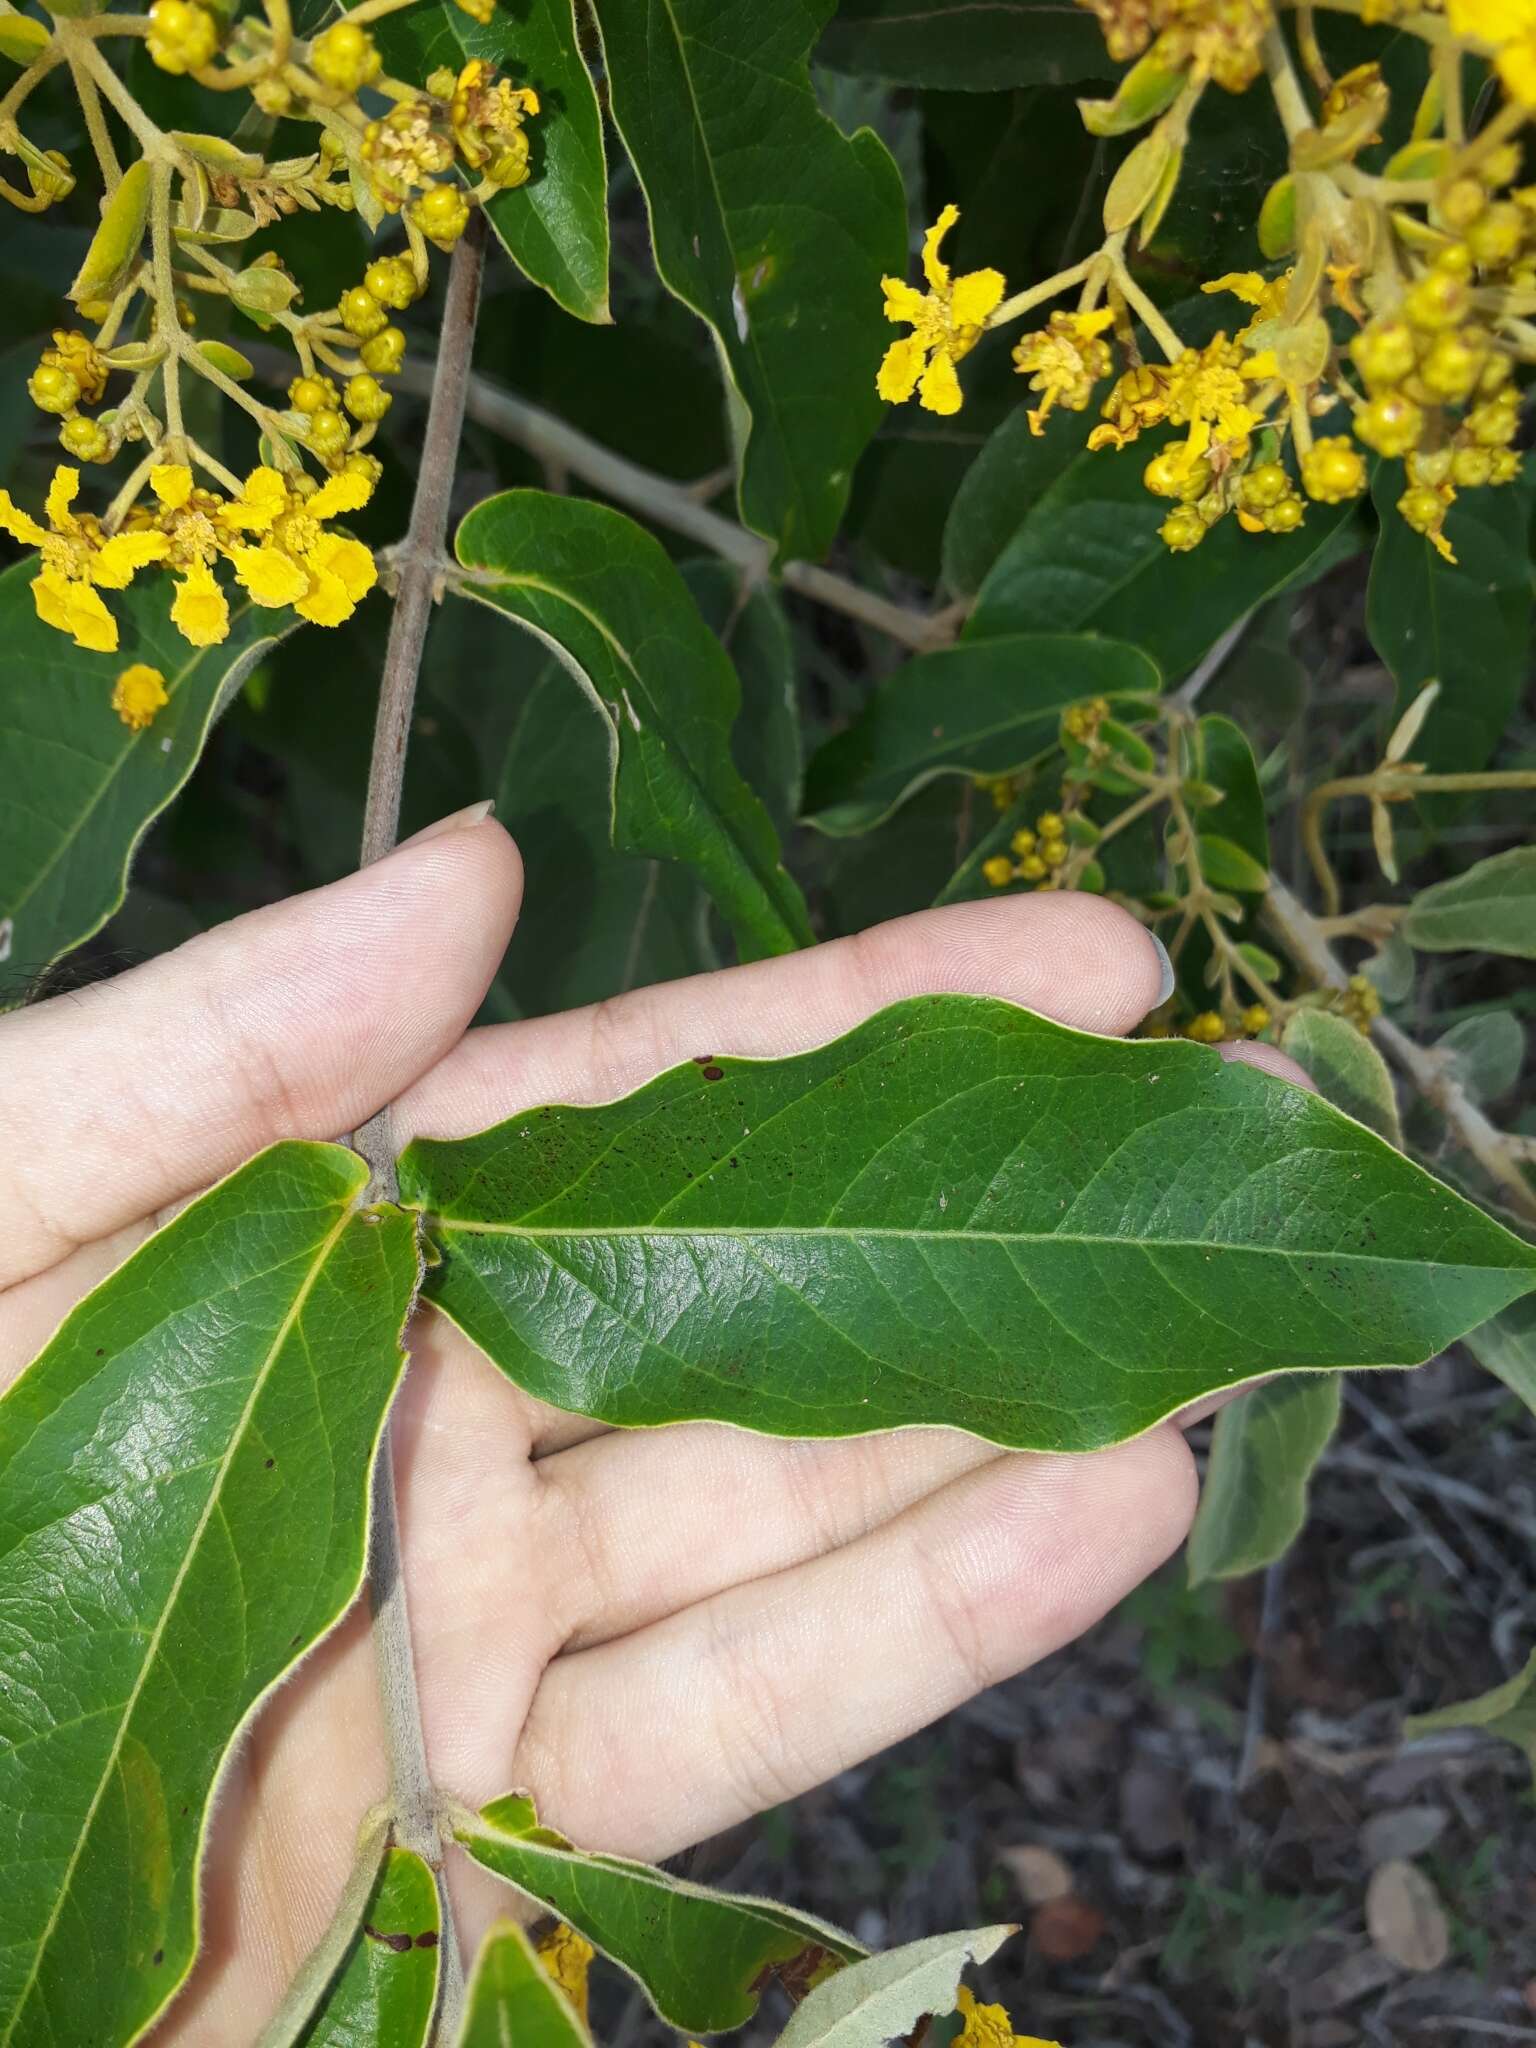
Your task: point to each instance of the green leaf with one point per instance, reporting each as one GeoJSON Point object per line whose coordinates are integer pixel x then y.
{"type": "Point", "coordinates": [595, 922]}
{"type": "Point", "coordinates": [1506, 1346]}
{"type": "Point", "coordinates": [702, 1957]}
{"type": "Point", "coordinates": [982, 708]}
{"type": "Point", "coordinates": [1490, 908]}
{"type": "Point", "coordinates": [750, 625]}
{"type": "Point", "coordinates": [885, 1996]}
{"type": "Point", "coordinates": [1466, 623]}
{"type": "Point", "coordinates": [1002, 486]}
{"type": "Point", "coordinates": [183, 1500]}
{"type": "Point", "coordinates": [1220, 755]}
{"type": "Point", "coordinates": [1486, 1051]}
{"type": "Point", "coordinates": [385, 1995]}
{"type": "Point", "coordinates": [966, 45]}
{"type": "Point", "coordinates": [776, 230]}
{"type": "Point", "coordinates": [960, 1213]}
{"type": "Point", "coordinates": [605, 598]}
{"type": "Point", "coordinates": [555, 228]}
{"type": "Point", "coordinates": [1509, 1710]}
{"type": "Point", "coordinates": [1088, 558]}
{"type": "Point", "coordinates": [1347, 1068]}
{"type": "Point", "coordinates": [1228, 866]}
{"type": "Point", "coordinates": [1264, 1449]}
{"type": "Point", "coordinates": [512, 1997]}
{"type": "Point", "coordinates": [81, 789]}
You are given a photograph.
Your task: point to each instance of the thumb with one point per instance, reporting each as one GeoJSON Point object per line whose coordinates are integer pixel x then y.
{"type": "Point", "coordinates": [296, 1021]}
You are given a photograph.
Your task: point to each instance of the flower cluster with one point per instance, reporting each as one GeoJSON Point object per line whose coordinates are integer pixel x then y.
{"type": "Point", "coordinates": [1037, 854]}
{"type": "Point", "coordinates": [411, 159]}
{"type": "Point", "coordinates": [1392, 324]}
{"type": "Point", "coordinates": [273, 534]}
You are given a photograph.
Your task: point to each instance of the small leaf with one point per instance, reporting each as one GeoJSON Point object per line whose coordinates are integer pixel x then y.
{"type": "Point", "coordinates": [512, 1997]}
{"type": "Point", "coordinates": [1489, 908]}
{"type": "Point", "coordinates": [885, 1996]}
{"type": "Point", "coordinates": [1506, 1346]}
{"type": "Point", "coordinates": [961, 1214]}
{"type": "Point", "coordinates": [602, 595]}
{"type": "Point", "coordinates": [1508, 1711]}
{"type": "Point", "coordinates": [774, 227]}
{"type": "Point", "coordinates": [22, 39]}
{"type": "Point", "coordinates": [1264, 1449]}
{"type": "Point", "coordinates": [387, 1989]}
{"type": "Point", "coordinates": [1404, 1917]}
{"type": "Point", "coordinates": [701, 1957]}
{"type": "Point", "coordinates": [1227, 866]}
{"type": "Point", "coordinates": [227, 359]}
{"type": "Point", "coordinates": [183, 1506]}
{"type": "Point", "coordinates": [1487, 1053]}
{"type": "Point", "coordinates": [1147, 90]}
{"type": "Point", "coordinates": [115, 244]}
{"type": "Point", "coordinates": [957, 46]}
{"type": "Point", "coordinates": [93, 787]}
{"type": "Point", "coordinates": [1347, 1069]}
{"type": "Point", "coordinates": [555, 227]}
{"type": "Point", "coordinates": [1277, 219]}
{"type": "Point", "coordinates": [1137, 181]}
{"type": "Point", "coordinates": [968, 710]}
{"type": "Point", "coordinates": [1221, 754]}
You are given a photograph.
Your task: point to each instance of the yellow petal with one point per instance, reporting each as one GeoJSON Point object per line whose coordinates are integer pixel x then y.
{"type": "Point", "coordinates": [1446, 552]}
{"type": "Point", "coordinates": [1246, 285]}
{"type": "Point", "coordinates": [138, 694]}
{"type": "Point", "coordinates": [1517, 67]}
{"type": "Point", "coordinates": [201, 611]}
{"type": "Point", "coordinates": [76, 609]}
{"type": "Point", "coordinates": [348, 491]}
{"type": "Point", "coordinates": [18, 524]}
{"type": "Point", "coordinates": [336, 554]}
{"type": "Point", "coordinates": [940, 387]}
{"type": "Point", "coordinates": [171, 483]}
{"type": "Point", "coordinates": [270, 576]}
{"type": "Point", "coordinates": [900, 369]}
{"type": "Point", "coordinates": [117, 560]}
{"type": "Point", "coordinates": [903, 301]}
{"type": "Point", "coordinates": [326, 602]}
{"type": "Point", "coordinates": [260, 504]}
{"type": "Point", "coordinates": [62, 493]}
{"type": "Point", "coordinates": [935, 269]}
{"type": "Point", "coordinates": [976, 296]}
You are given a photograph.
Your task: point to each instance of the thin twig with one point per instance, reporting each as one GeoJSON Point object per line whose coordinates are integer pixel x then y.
{"type": "Point", "coordinates": [1298, 932]}
{"type": "Point", "coordinates": [1455, 1491]}
{"type": "Point", "coordinates": [414, 1797]}
{"type": "Point", "coordinates": [1258, 1683]}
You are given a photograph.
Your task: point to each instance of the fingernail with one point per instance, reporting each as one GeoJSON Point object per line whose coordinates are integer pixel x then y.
{"type": "Point", "coordinates": [456, 821]}
{"type": "Point", "coordinates": [1169, 977]}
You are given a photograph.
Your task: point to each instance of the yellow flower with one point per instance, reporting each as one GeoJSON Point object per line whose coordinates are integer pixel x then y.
{"type": "Point", "coordinates": [1137, 399]}
{"type": "Point", "coordinates": [1508, 28]}
{"type": "Point", "coordinates": [324, 576]}
{"type": "Point", "coordinates": [1207, 393]}
{"type": "Point", "coordinates": [988, 2026]}
{"type": "Point", "coordinates": [200, 612]}
{"type": "Point", "coordinates": [77, 559]}
{"type": "Point", "coordinates": [568, 1957]}
{"type": "Point", "coordinates": [487, 120]}
{"type": "Point", "coordinates": [1067, 358]}
{"type": "Point", "coordinates": [138, 694]}
{"type": "Point", "coordinates": [946, 322]}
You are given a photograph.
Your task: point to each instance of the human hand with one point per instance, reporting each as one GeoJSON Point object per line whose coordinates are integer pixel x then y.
{"type": "Point", "coordinates": [657, 1633]}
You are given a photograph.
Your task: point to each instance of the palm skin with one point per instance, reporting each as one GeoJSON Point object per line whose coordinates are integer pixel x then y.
{"type": "Point", "coordinates": [657, 1633]}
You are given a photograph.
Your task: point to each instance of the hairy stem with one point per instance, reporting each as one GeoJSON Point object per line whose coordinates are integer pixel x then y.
{"type": "Point", "coordinates": [414, 1797]}
{"type": "Point", "coordinates": [289, 2024]}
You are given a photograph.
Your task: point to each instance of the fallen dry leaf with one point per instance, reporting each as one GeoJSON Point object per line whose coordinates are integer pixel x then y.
{"type": "Point", "coordinates": [1404, 1917]}
{"type": "Point", "coordinates": [1038, 1872]}
{"type": "Point", "coordinates": [1401, 1833]}
{"type": "Point", "coordinates": [1065, 1929]}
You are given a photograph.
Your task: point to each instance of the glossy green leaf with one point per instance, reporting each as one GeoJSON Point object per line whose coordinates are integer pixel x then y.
{"type": "Point", "coordinates": [595, 922]}
{"type": "Point", "coordinates": [966, 45]}
{"type": "Point", "coordinates": [555, 228]}
{"type": "Point", "coordinates": [80, 788]}
{"type": "Point", "coordinates": [750, 625]}
{"type": "Point", "coordinates": [1002, 486]}
{"type": "Point", "coordinates": [183, 1499]}
{"type": "Point", "coordinates": [960, 1213]}
{"type": "Point", "coordinates": [1088, 558]}
{"type": "Point", "coordinates": [1488, 908]}
{"type": "Point", "coordinates": [387, 1989]}
{"type": "Point", "coordinates": [1264, 1448]}
{"type": "Point", "coordinates": [1347, 1069]}
{"type": "Point", "coordinates": [1221, 756]}
{"type": "Point", "coordinates": [513, 1998]}
{"type": "Point", "coordinates": [1465, 623]}
{"type": "Point", "coordinates": [702, 1957]}
{"type": "Point", "coordinates": [605, 598]}
{"type": "Point", "coordinates": [885, 1997]}
{"type": "Point", "coordinates": [980, 708]}
{"type": "Point", "coordinates": [1509, 1711]}
{"type": "Point", "coordinates": [773, 226]}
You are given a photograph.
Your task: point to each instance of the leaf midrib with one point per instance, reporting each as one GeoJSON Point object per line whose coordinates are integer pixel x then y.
{"type": "Point", "coordinates": [213, 1503]}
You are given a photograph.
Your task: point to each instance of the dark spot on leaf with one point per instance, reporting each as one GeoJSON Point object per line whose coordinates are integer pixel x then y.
{"type": "Point", "coordinates": [714, 1073]}
{"type": "Point", "coordinates": [101, 1351]}
{"type": "Point", "coordinates": [270, 1463]}
{"type": "Point", "coordinates": [158, 1957]}
{"type": "Point", "coordinates": [427, 1940]}
{"type": "Point", "coordinates": [734, 1160]}
{"type": "Point", "coordinates": [296, 1641]}
{"type": "Point", "coordinates": [702, 1059]}
{"type": "Point", "coordinates": [397, 1944]}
